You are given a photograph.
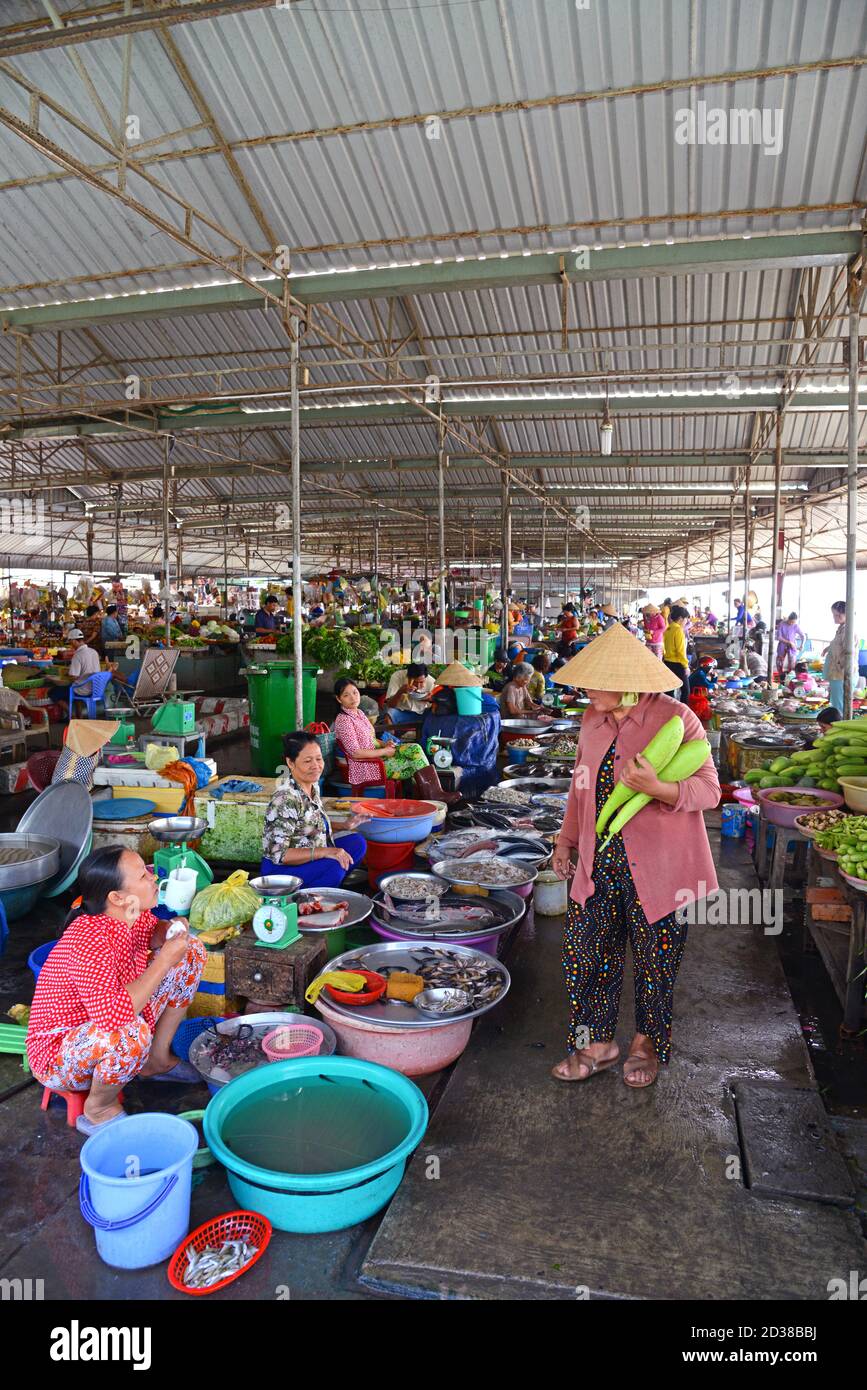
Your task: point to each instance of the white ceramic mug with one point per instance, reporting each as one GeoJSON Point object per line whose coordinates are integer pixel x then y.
{"type": "Point", "coordinates": [178, 890]}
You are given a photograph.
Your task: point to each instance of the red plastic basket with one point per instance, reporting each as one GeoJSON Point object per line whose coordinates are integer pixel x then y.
{"type": "Point", "coordinates": [378, 984]}
{"type": "Point", "coordinates": [233, 1225]}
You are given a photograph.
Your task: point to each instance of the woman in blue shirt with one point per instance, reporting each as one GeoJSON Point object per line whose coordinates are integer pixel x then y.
{"type": "Point", "coordinates": [111, 628]}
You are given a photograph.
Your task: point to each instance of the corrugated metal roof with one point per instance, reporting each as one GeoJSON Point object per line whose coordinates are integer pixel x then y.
{"type": "Point", "coordinates": [610, 159]}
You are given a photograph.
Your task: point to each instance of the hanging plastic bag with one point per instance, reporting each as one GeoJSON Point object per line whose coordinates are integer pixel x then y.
{"type": "Point", "coordinates": [159, 755]}
{"type": "Point", "coordinates": [228, 904]}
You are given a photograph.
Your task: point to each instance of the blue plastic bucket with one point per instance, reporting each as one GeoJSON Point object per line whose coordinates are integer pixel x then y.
{"type": "Point", "coordinates": [37, 958]}
{"type": "Point", "coordinates": [733, 821]}
{"type": "Point", "coordinates": [469, 699]}
{"type": "Point", "coordinates": [138, 1220]}
{"type": "Point", "coordinates": [316, 1202]}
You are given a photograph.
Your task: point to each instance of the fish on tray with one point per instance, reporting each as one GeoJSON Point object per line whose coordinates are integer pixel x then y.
{"type": "Point", "coordinates": [435, 910]}
{"type": "Point", "coordinates": [317, 913]}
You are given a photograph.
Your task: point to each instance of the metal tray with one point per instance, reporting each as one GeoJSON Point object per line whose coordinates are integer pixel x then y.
{"type": "Point", "coordinates": [434, 884]}
{"type": "Point", "coordinates": [550, 801]}
{"type": "Point", "coordinates": [404, 955]}
{"type": "Point", "coordinates": [508, 908]}
{"type": "Point", "coordinates": [444, 849]}
{"type": "Point", "coordinates": [26, 873]}
{"type": "Point", "coordinates": [360, 907]}
{"type": "Point", "coordinates": [534, 787]}
{"type": "Point", "coordinates": [525, 726]}
{"type": "Point", "coordinates": [62, 812]}
{"type": "Point", "coordinates": [447, 870]}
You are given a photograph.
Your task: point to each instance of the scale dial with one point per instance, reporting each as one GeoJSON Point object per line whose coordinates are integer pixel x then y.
{"type": "Point", "coordinates": [270, 923]}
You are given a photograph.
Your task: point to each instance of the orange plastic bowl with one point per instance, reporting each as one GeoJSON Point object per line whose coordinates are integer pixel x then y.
{"type": "Point", "coordinates": [232, 1225]}
{"type": "Point", "coordinates": [377, 987]}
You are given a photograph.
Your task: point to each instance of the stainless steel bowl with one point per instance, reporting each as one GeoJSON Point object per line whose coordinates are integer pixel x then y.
{"type": "Point", "coordinates": [276, 885]}
{"type": "Point", "coordinates": [176, 829]}
{"type": "Point", "coordinates": [436, 1002]}
{"type": "Point", "coordinates": [435, 886]}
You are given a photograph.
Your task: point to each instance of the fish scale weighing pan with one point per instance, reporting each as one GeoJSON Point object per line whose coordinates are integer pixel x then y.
{"type": "Point", "coordinates": [507, 908]}
{"type": "Point", "coordinates": [407, 955]}
{"type": "Point", "coordinates": [360, 907]}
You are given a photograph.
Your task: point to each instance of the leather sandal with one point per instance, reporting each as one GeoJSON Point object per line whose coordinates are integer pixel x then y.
{"type": "Point", "coordinates": [588, 1060]}
{"type": "Point", "coordinates": [640, 1063]}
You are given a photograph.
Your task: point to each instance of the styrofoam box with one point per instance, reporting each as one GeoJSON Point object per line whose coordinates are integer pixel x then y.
{"type": "Point", "coordinates": [139, 776]}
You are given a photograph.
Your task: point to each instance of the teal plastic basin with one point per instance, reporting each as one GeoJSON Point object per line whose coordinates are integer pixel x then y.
{"type": "Point", "coordinates": [316, 1202]}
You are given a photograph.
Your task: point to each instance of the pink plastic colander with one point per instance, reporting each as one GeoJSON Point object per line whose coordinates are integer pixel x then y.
{"type": "Point", "coordinates": [302, 1039]}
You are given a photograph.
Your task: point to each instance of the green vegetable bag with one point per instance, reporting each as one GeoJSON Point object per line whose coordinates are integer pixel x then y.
{"type": "Point", "coordinates": [228, 904]}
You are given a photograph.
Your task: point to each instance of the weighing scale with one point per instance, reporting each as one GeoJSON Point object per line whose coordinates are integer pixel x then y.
{"type": "Point", "coordinates": [275, 924]}
{"type": "Point", "coordinates": [439, 750]}
{"type": "Point", "coordinates": [173, 832]}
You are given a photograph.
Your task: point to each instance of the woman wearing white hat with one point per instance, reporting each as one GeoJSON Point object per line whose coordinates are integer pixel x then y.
{"type": "Point", "coordinates": [633, 886]}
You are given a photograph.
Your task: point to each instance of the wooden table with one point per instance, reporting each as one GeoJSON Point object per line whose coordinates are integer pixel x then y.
{"type": "Point", "coordinates": [836, 920]}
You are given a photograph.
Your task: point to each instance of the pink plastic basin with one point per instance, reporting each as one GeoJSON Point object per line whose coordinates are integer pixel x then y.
{"type": "Point", "coordinates": [415, 1052]}
{"type": "Point", "coordinates": [488, 944]}
{"type": "Point", "coordinates": [780, 814]}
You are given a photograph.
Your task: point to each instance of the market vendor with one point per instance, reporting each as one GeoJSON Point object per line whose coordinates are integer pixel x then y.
{"type": "Point", "coordinates": [113, 991]}
{"type": "Point", "coordinates": [409, 689]}
{"type": "Point", "coordinates": [516, 702]}
{"type": "Point", "coordinates": [500, 671]}
{"type": "Point", "coordinates": [540, 681]}
{"type": "Point", "coordinates": [266, 621]}
{"type": "Point", "coordinates": [297, 831]}
{"type": "Point", "coordinates": [111, 628]}
{"type": "Point", "coordinates": [84, 662]}
{"type": "Point", "coordinates": [364, 754]}
{"type": "Point", "coordinates": [632, 885]}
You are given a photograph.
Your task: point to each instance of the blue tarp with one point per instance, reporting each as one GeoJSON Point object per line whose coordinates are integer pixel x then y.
{"type": "Point", "coordinates": [477, 739]}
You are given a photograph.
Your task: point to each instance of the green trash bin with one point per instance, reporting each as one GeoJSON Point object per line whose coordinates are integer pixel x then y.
{"type": "Point", "coordinates": [272, 709]}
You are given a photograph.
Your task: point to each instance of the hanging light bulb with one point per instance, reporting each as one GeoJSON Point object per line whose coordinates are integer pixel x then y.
{"type": "Point", "coordinates": [606, 429]}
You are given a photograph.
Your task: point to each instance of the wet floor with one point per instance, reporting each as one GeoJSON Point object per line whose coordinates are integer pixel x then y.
{"type": "Point", "coordinates": [522, 1188]}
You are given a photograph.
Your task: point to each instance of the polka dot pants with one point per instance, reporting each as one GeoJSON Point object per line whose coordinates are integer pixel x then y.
{"type": "Point", "coordinates": [594, 949]}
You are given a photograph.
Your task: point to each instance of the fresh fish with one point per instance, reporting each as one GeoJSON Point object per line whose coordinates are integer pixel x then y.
{"type": "Point", "coordinates": [209, 1266]}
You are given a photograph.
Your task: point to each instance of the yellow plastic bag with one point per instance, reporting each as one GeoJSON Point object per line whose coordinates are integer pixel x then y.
{"type": "Point", "coordinates": [346, 980]}
{"type": "Point", "coordinates": [228, 904]}
{"type": "Point", "coordinates": [159, 755]}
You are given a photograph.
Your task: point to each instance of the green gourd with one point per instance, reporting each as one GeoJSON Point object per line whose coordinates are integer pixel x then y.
{"type": "Point", "coordinates": [687, 760]}
{"type": "Point", "coordinates": [659, 751]}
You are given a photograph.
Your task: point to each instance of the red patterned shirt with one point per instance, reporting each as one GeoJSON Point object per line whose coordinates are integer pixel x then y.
{"type": "Point", "coordinates": [354, 731]}
{"type": "Point", "coordinates": [84, 980]}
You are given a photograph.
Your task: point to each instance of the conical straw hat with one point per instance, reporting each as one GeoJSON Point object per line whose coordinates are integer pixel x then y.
{"type": "Point", "coordinates": [617, 661]}
{"type": "Point", "coordinates": [609, 610]}
{"type": "Point", "coordinates": [457, 676]}
{"type": "Point", "coordinates": [650, 608]}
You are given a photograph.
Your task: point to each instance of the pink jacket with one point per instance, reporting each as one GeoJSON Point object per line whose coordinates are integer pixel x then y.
{"type": "Point", "coordinates": [667, 846]}
{"type": "Point", "coordinates": [654, 626]}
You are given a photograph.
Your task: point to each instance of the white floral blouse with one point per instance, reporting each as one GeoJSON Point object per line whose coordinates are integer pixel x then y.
{"type": "Point", "coordinates": [294, 820]}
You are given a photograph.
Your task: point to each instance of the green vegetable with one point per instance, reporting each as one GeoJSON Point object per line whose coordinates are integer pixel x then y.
{"type": "Point", "coordinates": [659, 751]}
{"type": "Point", "coordinates": [687, 760]}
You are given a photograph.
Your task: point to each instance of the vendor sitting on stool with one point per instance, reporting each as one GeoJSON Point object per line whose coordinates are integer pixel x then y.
{"type": "Point", "coordinates": [298, 838]}
{"type": "Point", "coordinates": [113, 992]}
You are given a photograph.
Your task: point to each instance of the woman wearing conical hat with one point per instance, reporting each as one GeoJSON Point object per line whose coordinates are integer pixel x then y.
{"type": "Point", "coordinates": [633, 887]}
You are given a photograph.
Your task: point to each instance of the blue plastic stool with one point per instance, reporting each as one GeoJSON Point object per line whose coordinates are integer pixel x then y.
{"type": "Point", "coordinates": [98, 683]}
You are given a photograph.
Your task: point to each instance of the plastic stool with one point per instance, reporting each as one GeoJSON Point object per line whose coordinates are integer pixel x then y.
{"type": "Point", "coordinates": [74, 1102]}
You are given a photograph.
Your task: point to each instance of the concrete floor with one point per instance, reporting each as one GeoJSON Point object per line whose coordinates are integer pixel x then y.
{"type": "Point", "coordinates": [542, 1189]}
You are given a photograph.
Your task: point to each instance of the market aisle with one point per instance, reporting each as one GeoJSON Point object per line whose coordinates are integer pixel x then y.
{"type": "Point", "coordinates": [545, 1188]}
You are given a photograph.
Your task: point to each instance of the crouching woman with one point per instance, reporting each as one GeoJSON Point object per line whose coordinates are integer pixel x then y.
{"type": "Point", "coordinates": [113, 992]}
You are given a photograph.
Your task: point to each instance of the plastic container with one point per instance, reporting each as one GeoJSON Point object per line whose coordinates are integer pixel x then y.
{"type": "Point", "coordinates": [550, 894]}
{"type": "Point", "coordinates": [233, 1225]}
{"type": "Point", "coordinates": [37, 958]}
{"type": "Point", "coordinates": [778, 813]}
{"type": "Point", "coordinates": [855, 793]}
{"type": "Point", "coordinates": [301, 1039]}
{"type": "Point", "coordinates": [411, 1051]}
{"type": "Point", "coordinates": [733, 822]}
{"type": "Point", "coordinates": [396, 822]}
{"type": "Point", "coordinates": [387, 859]}
{"type": "Point", "coordinates": [272, 709]}
{"type": "Point", "coordinates": [469, 699]}
{"type": "Point", "coordinates": [317, 1202]}
{"type": "Point", "coordinates": [138, 1220]}
{"type": "Point", "coordinates": [376, 987]}
{"type": "Point", "coordinates": [488, 944]}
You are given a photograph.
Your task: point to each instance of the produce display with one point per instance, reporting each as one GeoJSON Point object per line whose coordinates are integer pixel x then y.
{"type": "Point", "coordinates": [237, 833]}
{"type": "Point", "coordinates": [848, 840]}
{"type": "Point", "coordinates": [822, 820]}
{"type": "Point", "coordinates": [659, 751]}
{"type": "Point", "coordinates": [564, 747]}
{"type": "Point", "coordinates": [523, 743]}
{"type": "Point", "coordinates": [841, 752]}
{"type": "Point", "coordinates": [795, 799]}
